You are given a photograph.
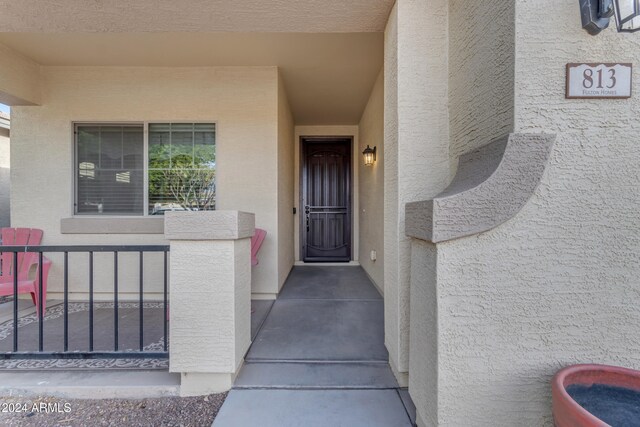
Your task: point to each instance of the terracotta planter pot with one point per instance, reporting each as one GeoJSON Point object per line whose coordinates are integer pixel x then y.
{"type": "Point", "coordinates": [566, 411]}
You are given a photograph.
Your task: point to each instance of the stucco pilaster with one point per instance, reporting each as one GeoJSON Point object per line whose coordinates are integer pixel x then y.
{"type": "Point", "coordinates": [210, 287]}
{"type": "Point", "coordinates": [416, 146]}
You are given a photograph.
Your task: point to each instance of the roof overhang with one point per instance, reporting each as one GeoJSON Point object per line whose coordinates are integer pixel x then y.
{"type": "Point", "coordinates": [327, 76]}
{"type": "Point", "coordinates": [315, 16]}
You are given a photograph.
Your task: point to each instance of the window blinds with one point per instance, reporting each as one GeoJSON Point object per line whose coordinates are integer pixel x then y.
{"type": "Point", "coordinates": [110, 169]}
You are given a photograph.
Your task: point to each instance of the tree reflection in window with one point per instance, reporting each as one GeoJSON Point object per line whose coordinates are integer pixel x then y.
{"type": "Point", "coordinates": [182, 167]}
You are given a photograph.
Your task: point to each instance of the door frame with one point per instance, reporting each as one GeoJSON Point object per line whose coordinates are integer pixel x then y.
{"type": "Point", "coordinates": [350, 190]}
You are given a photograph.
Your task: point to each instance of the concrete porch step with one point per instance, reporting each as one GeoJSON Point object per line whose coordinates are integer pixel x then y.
{"type": "Point", "coordinates": [90, 384]}
{"type": "Point", "coordinates": [320, 375]}
{"type": "Point", "coordinates": [312, 408]}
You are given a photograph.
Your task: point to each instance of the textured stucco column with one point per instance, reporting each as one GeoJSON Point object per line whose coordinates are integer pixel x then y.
{"type": "Point", "coordinates": [416, 148]}
{"type": "Point", "coordinates": [210, 287]}
{"type": "Point", "coordinates": [492, 186]}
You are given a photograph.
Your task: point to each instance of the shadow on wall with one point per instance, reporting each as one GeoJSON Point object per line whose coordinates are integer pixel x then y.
{"type": "Point", "coordinates": [5, 179]}
{"type": "Point", "coordinates": [5, 192]}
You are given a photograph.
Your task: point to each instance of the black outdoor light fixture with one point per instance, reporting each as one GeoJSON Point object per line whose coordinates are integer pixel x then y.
{"type": "Point", "coordinates": [369, 155]}
{"type": "Point", "coordinates": [596, 15]}
{"type": "Point", "coordinates": [627, 15]}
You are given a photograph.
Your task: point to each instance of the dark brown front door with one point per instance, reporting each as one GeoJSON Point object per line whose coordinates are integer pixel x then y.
{"type": "Point", "coordinates": [326, 199]}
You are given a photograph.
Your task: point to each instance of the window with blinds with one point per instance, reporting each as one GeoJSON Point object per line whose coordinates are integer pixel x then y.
{"type": "Point", "coordinates": [111, 171]}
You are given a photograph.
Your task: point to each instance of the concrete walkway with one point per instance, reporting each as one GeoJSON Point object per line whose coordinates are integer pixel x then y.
{"type": "Point", "coordinates": [318, 358]}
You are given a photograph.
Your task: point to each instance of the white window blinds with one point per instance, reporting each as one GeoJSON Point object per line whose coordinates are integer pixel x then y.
{"type": "Point", "coordinates": [110, 169]}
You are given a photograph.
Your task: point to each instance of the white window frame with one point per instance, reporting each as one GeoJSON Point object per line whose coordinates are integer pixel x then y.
{"type": "Point", "coordinates": [145, 132]}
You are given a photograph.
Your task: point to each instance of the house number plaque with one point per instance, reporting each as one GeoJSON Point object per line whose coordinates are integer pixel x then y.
{"type": "Point", "coordinates": [599, 81]}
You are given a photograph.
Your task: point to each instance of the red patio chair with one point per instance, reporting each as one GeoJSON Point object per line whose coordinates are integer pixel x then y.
{"type": "Point", "coordinates": [23, 237]}
{"type": "Point", "coordinates": [256, 242]}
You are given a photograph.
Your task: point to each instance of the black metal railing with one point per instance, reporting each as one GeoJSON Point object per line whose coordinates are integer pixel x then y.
{"type": "Point", "coordinates": [90, 352]}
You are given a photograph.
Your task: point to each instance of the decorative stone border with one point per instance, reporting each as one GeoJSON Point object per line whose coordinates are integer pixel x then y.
{"type": "Point", "coordinates": [491, 186]}
{"type": "Point", "coordinates": [73, 364]}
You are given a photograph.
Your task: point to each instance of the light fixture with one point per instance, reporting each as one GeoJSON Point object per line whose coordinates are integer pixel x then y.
{"type": "Point", "coordinates": [627, 15]}
{"type": "Point", "coordinates": [369, 155]}
{"type": "Point", "coordinates": [596, 15]}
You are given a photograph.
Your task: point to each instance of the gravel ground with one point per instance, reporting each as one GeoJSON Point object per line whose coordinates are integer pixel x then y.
{"type": "Point", "coordinates": [166, 411]}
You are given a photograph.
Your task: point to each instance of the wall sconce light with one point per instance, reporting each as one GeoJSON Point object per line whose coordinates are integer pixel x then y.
{"type": "Point", "coordinates": [369, 155]}
{"type": "Point", "coordinates": [596, 15]}
{"type": "Point", "coordinates": [627, 15]}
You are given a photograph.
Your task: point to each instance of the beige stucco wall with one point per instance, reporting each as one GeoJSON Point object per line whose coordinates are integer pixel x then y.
{"type": "Point", "coordinates": [417, 164]}
{"type": "Point", "coordinates": [243, 103]}
{"type": "Point", "coordinates": [391, 212]}
{"type": "Point", "coordinates": [557, 284]}
{"type": "Point", "coordinates": [481, 64]}
{"type": "Point", "coordinates": [5, 184]}
{"type": "Point", "coordinates": [424, 339]}
{"type": "Point", "coordinates": [481, 72]}
{"type": "Point", "coordinates": [19, 78]}
{"type": "Point", "coordinates": [371, 184]}
{"type": "Point", "coordinates": [286, 172]}
{"type": "Point", "coordinates": [340, 131]}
